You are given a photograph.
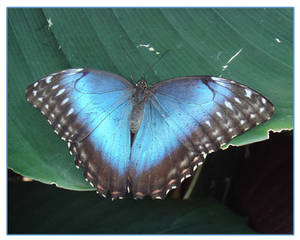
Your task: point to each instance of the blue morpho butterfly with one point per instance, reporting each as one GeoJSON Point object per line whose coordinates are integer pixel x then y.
{"type": "Point", "coordinates": [145, 140]}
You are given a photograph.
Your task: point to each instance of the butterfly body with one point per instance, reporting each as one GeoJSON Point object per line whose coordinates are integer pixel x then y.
{"type": "Point", "coordinates": [139, 97]}
{"type": "Point", "coordinates": [146, 140]}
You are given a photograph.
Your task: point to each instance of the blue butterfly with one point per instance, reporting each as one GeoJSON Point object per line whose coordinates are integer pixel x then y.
{"type": "Point", "coordinates": [140, 139]}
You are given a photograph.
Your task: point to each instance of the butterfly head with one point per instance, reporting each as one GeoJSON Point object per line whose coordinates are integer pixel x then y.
{"type": "Point", "coordinates": [142, 84]}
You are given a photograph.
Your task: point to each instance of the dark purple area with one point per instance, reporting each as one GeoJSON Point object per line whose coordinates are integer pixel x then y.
{"type": "Point", "coordinates": [263, 188]}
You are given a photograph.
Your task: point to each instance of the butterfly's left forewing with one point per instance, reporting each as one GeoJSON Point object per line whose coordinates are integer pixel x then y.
{"type": "Point", "coordinates": [90, 109]}
{"type": "Point", "coordinates": [184, 120]}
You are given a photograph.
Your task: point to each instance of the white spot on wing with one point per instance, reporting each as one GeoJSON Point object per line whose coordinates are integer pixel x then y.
{"type": "Point", "coordinates": [228, 105]}
{"type": "Point", "coordinates": [216, 78]}
{"type": "Point", "coordinates": [208, 123]}
{"type": "Point", "coordinates": [263, 101]}
{"type": "Point", "coordinates": [237, 100]}
{"type": "Point", "coordinates": [219, 114]}
{"type": "Point", "coordinates": [48, 79]}
{"type": "Point", "coordinates": [248, 93]}
{"type": "Point", "coordinates": [55, 86]}
{"type": "Point", "coordinates": [35, 84]}
{"type": "Point", "coordinates": [61, 91]}
{"type": "Point", "coordinates": [215, 132]}
{"type": "Point", "coordinates": [40, 99]}
{"type": "Point", "coordinates": [34, 92]}
{"type": "Point", "coordinates": [261, 109]}
{"type": "Point", "coordinates": [252, 115]}
{"type": "Point", "coordinates": [70, 111]}
{"type": "Point", "coordinates": [46, 106]}
{"type": "Point", "coordinates": [64, 101]}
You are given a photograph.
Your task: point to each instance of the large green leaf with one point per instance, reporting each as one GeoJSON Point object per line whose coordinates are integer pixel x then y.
{"type": "Point", "coordinates": [56, 211]}
{"type": "Point", "coordinates": [201, 42]}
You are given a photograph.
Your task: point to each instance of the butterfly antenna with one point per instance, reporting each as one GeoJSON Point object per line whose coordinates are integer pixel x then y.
{"type": "Point", "coordinates": [130, 57]}
{"type": "Point", "coordinates": [157, 61]}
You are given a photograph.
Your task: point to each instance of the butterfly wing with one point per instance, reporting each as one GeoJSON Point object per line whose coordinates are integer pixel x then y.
{"type": "Point", "coordinates": [184, 120]}
{"type": "Point", "coordinates": [90, 109]}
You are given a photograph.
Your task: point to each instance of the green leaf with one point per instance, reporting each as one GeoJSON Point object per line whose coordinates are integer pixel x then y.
{"type": "Point", "coordinates": [55, 211]}
{"type": "Point", "coordinates": [201, 42]}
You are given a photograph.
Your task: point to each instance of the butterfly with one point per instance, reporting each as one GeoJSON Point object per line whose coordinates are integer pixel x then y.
{"type": "Point", "coordinates": [140, 139]}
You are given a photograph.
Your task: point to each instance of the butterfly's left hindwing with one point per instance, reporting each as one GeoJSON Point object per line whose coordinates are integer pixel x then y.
{"type": "Point", "coordinates": [90, 109]}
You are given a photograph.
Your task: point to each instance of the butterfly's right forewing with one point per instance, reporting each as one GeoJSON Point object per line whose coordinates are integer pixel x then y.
{"type": "Point", "coordinates": [90, 109]}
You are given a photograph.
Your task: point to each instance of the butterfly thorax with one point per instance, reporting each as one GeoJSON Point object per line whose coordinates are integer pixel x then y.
{"type": "Point", "coordinates": [139, 97]}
